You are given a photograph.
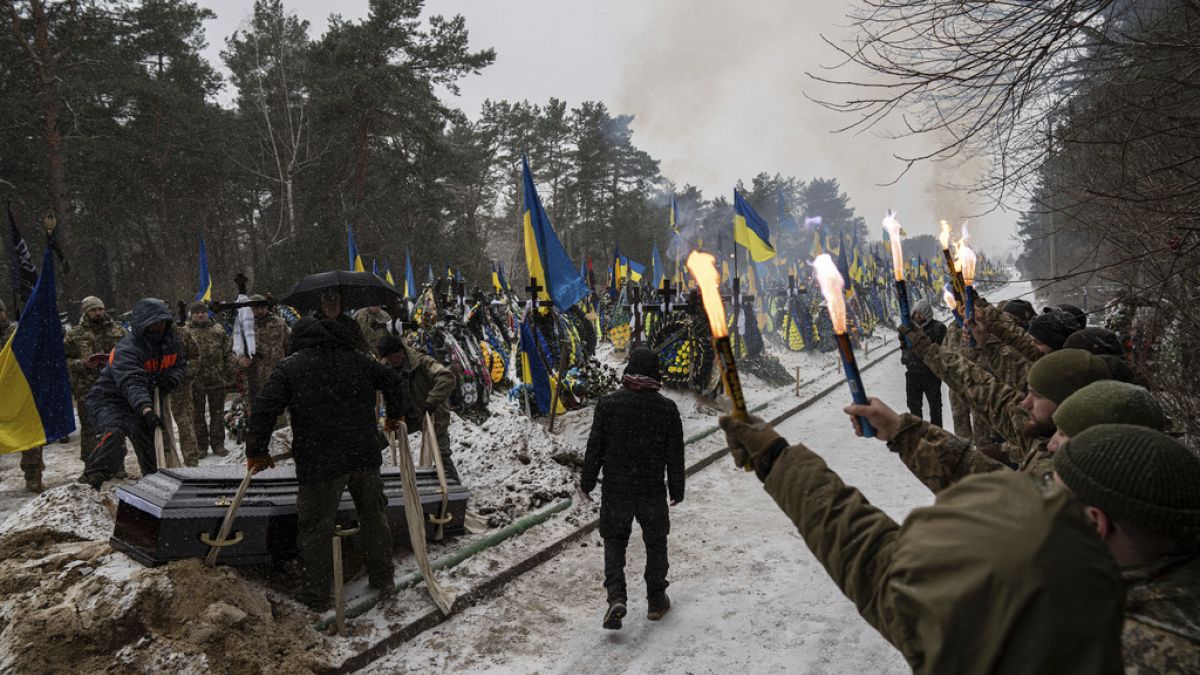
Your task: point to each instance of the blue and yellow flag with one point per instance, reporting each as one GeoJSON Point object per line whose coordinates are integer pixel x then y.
{"type": "Point", "coordinates": [36, 406]}
{"type": "Point", "coordinates": [616, 268]}
{"type": "Point", "coordinates": [750, 230]}
{"type": "Point", "coordinates": [673, 217]}
{"type": "Point", "coordinates": [205, 293]}
{"type": "Point", "coordinates": [387, 273]}
{"type": "Point", "coordinates": [628, 269]}
{"type": "Point", "coordinates": [356, 263]}
{"type": "Point", "coordinates": [495, 278]}
{"type": "Point", "coordinates": [660, 270]}
{"type": "Point", "coordinates": [545, 257]}
{"type": "Point", "coordinates": [410, 282]}
{"type": "Point", "coordinates": [503, 280]}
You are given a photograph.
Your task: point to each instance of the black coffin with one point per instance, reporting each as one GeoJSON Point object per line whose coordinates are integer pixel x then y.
{"type": "Point", "coordinates": [163, 516]}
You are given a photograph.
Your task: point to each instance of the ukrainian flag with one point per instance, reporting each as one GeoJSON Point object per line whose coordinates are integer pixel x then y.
{"type": "Point", "coordinates": [410, 284]}
{"type": "Point", "coordinates": [356, 263]}
{"type": "Point", "coordinates": [387, 274]}
{"type": "Point", "coordinates": [500, 274]}
{"type": "Point", "coordinates": [495, 278]}
{"type": "Point", "coordinates": [36, 406]}
{"type": "Point", "coordinates": [205, 293]}
{"type": "Point", "coordinates": [750, 230]}
{"type": "Point", "coordinates": [545, 257]}
{"type": "Point", "coordinates": [673, 218]}
{"type": "Point", "coordinates": [627, 268]}
{"type": "Point", "coordinates": [660, 270]}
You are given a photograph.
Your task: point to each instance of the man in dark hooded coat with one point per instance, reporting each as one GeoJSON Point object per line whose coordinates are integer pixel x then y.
{"type": "Point", "coordinates": [121, 403]}
{"type": "Point", "coordinates": [636, 437]}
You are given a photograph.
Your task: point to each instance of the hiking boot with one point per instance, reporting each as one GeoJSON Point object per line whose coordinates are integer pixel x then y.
{"type": "Point", "coordinates": [220, 451]}
{"type": "Point", "coordinates": [94, 479]}
{"type": "Point", "coordinates": [658, 607]}
{"type": "Point", "coordinates": [612, 617]}
{"type": "Point", "coordinates": [34, 485]}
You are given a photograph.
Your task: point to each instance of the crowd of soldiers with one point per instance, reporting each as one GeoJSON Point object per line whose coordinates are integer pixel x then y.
{"type": "Point", "coordinates": [1065, 536]}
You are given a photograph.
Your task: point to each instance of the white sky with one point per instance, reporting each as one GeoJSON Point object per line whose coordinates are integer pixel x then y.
{"type": "Point", "coordinates": [717, 90]}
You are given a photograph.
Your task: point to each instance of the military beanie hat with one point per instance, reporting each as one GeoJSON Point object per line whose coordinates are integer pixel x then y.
{"type": "Point", "coordinates": [1134, 474]}
{"type": "Point", "coordinates": [1021, 309]}
{"type": "Point", "coordinates": [1096, 340]}
{"type": "Point", "coordinates": [1053, 328]}
{"type": "Point", "coordinates": [1108, 402]}
{"type": "Point", "coordinates": [91, 302]}
{"type": "Point", "coordinates": [388, 345]}
{"type": "Point", "coordinates": [1059, 374]}
{"type": "Point", "coordinates": [198, 307]}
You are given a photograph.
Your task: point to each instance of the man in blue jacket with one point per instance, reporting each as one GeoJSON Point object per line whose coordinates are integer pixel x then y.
{"type": "Point", "coordinates": [121, 403]}
{"type": "Point", "coordinates": [636, 437]}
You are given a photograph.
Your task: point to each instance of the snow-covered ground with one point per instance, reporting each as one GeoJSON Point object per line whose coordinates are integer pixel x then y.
{"type": "Point", "coordinates": [746, 590]}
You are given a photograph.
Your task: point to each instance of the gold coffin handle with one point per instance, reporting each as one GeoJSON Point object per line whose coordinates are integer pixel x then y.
{"type": "Point", "coordinates": [209, 541]}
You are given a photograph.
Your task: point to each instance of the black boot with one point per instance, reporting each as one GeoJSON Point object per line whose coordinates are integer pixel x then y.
{"type": "Point", "coordinates": [616, 612]}
{"type": "Point", "coordinates": [658, 606]}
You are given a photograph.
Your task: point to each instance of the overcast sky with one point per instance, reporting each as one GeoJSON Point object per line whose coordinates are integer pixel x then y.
{"type": "Point", "coordinates": [717, 90]}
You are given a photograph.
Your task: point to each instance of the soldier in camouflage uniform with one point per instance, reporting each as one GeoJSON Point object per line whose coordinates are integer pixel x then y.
{"type": "Point", "coordinates": [211, 371]}
{"type": "Point", "coordinates": [182, 403]}
{"type": "Point", "coordinates": [87, 346]}
{"type": "Point", "coordinates": [939, 458]}
{"type": "Point", "coordinates": [1139, 489]}
{"type": "Point", "coordinates": [953, 590]}
{"type": "Point", "coordinates": [271, 343]}
{"type": "Point", "coordinates": [373, 322]}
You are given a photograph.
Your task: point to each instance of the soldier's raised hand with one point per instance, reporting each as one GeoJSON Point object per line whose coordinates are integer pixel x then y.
{"type": "Point", "coordinates": [885, 420]}
{"type": "Point", "coordinates": [748, 441]}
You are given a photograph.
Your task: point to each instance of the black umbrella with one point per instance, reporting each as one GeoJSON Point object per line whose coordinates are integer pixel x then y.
{"type": "Point", "coordinates": [358, 289]}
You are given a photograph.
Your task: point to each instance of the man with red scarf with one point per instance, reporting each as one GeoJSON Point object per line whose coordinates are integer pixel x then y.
{"type": "Point", "coordinates": [636, 438]}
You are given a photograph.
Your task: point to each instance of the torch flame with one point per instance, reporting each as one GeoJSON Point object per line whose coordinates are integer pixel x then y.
{"type": "Point", "coordinates": [944, 237]}
{"type": "Point", "coordinates": [894, 233]}
{"type": "Point", "coordinates": [832, 287]}
{"type": "Point", "coordinates": [948, 297]}
{"type": "Point", "coordinates": [966, 258]}
{"type": "Point", "coordinates": [966, 238]}
{"type": "Point", "coordinates": [704, 270]}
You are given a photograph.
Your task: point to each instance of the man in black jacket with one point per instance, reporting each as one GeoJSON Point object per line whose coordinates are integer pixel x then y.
{"type": "Point", "coordinates": [636, 435]}
{"type": "Point", "coordinates": [329, 390]}
{"type": "Point", "coordinates": [121, 402]}
{"type": "Point", "coordinates": [919, 380]}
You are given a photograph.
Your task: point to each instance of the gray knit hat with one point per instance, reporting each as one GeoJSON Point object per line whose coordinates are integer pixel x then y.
{"type": "Point", "coordinates": [1108, 402]}
{"type": "Point", "coordinates": [1059, 374]}
{"type": "Point", "coordinates": [1134, 474]}
{"type": "Point", "coordinates": [91, 302]}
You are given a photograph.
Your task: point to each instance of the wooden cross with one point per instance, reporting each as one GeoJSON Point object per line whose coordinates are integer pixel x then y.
{"type": "Point", "coordinates": [533, 289]}
{"type": "Point", "coordinates": [666, 293]}
{"type": "Point", "coordinates": [635, 309]}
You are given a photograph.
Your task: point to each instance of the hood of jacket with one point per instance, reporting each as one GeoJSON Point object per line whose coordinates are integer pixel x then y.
{"type": "Point", "coordinates": [147, 312]}
{"type": "Point", "coordinates": [311, 333]}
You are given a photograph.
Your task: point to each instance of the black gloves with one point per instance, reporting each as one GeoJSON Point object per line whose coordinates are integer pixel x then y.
{"type": "Point", "coordinates": [151, 421]}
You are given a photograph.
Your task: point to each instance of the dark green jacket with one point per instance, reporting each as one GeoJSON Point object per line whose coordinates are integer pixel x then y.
{"type": "Point", "coordinates": [426, 383]}
{"type": "Point", "coordinates": [1004, 574]}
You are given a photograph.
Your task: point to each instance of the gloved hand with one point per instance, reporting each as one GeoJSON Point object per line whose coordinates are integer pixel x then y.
{"type": "Point", "coordinates": [392, 423]}
{"type": "Point", "coordinates": [259, 463]}
{"type": "Point", "coordinates": [918, 339]}
{"type": "Point", "coordinates": [151, 421]}
{"type": "Point", "coordinates": [748, 440]}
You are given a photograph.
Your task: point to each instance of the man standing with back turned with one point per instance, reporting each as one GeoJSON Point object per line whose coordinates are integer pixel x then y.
{"type": "Point", "coordinates": [636, 435]}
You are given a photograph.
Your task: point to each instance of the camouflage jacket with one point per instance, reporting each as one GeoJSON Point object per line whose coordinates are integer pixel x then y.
{"type": "Point", "coordinates": [373, 326]}
{"type": "Point", "coordinates": [83, 341]}
{"type": "Point", "coordinates": [212, 366]}
{"type": "Point", "coordinates": [1013, 348]}
{"type": "Point", "coordinates": [992, 399]}
{"type": "Point", "coordinates": [1162, 617]}
{"type": "Point", "coordinates": [271, 342]}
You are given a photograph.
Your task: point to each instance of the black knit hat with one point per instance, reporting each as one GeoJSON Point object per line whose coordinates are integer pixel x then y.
{"type": "Point", "coordinates": [1096, 340]}
{"type": "Point", "coordinates": [1135, 475]}
{"type": "Point", "coordinates": [388, 345]}
{"type": "Point", "coordinates": [1059, 374]}
{"type": "Point", "coordinates": [1020, 309]}
{"type": "Point", "coordinates": [643, 361]}
{"type": "Point", "coordinates": [1079, 315]}
{"type": "Point", "coordinates": [1053, 328]}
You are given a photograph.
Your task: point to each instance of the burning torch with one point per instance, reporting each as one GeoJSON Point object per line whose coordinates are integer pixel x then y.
{"type": "Point", "coordinates": [894, 233]}
{"type": "Point", "coordinates": [704, 270]}
{"type": "Point", "coordinates": [952, 265]}
{"type": "Point", "coordinates": [833, 288]}
{"type": "Point", "coordinates": [948, 298]}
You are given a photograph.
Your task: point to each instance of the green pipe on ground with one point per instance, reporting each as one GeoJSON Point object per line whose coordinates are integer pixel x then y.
{"type": "Point", "coordinates": [366, 602]}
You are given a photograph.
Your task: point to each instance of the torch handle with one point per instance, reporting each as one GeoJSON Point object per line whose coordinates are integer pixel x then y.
{"type": "Point", "coordinates": [729, 376]}
{"type": "Point", "coordinates": [969, 313]}
{"type": "Point", "coordinates": [854, 379]}
{"type": "Point", "coordinates": [905, 312]}
{"type": "Point", "coordinates": [957, 283]}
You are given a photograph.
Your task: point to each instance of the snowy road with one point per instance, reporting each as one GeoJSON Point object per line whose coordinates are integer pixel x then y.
{"type": "Point", "coordinates": [747, 594]}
